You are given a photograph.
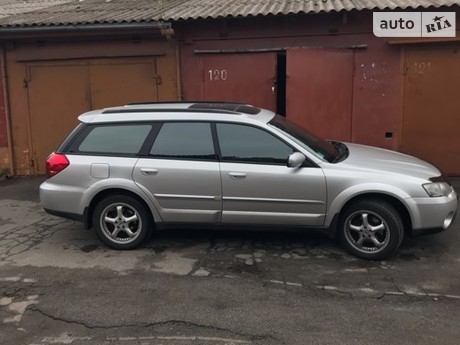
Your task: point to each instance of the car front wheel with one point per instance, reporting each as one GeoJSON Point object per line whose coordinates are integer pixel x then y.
{"type": "Point", "coordinates": [371, 229]}
{"type": "Point", "coordinates": [121, 222]}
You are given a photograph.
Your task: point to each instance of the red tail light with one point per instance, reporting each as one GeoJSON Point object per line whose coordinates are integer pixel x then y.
{"type": "Point", "coordinates": [55, 163]}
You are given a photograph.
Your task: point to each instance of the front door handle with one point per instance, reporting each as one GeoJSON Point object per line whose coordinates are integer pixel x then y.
{"type": "Point", "coordinates": [149, 171]}
{"type": "Point", "coordinates": [237, 175]}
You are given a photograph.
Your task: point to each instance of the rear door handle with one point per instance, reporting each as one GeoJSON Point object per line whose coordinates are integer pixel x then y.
{"type": "Point", "coordinates": [237, 175]}
{"type": "Point", "coordinates": [149, 171]}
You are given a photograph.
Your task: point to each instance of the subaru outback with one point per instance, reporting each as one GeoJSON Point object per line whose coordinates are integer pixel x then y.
{"type": "Point", "coordinates": [128, 170]}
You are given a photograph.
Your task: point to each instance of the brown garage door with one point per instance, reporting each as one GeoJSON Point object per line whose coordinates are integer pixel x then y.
{"type": "Point", "coordinates": [121, 82]}
{"type": "Point", "coordinates": [56, 95]}
{"type": "Point", "coordinates": [319, 86]}
{"type": "Point", "coordinates": [431, 122]}
{"type": "Point", "coordinates": [59, 92]}
{"type": "Point", "coordinates": [246, 77]}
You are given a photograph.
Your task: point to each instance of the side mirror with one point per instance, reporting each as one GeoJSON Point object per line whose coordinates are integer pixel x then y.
{"type": "Point", "coordinates": [295, 160]}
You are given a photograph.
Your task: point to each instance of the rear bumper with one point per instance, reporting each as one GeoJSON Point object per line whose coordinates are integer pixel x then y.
{"type": "Point", "coordinates": [67, 215]}
{"type": "Point", "coordinates": [62, 200]}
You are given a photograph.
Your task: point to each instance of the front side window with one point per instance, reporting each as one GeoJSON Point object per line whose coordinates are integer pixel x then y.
{"type": "Point", "coordinates": [184, 140]}
{"type": "Point", "coordinates": [319, 147]}
{"type": "Point", "coordinates": [124, 139]}
{"type": "Point", "coordinates": [240, 143]}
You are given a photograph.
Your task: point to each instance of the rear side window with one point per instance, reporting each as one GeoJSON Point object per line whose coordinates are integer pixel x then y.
{"type": "Point", "coordinates": [121, 139]}
{"type": "Point", "coordinates": [184, 140]}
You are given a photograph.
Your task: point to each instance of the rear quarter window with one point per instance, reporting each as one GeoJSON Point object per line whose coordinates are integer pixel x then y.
{"type": "Point", "coordinates": [115, 139]}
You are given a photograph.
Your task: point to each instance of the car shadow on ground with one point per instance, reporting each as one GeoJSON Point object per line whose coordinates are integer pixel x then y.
{"type": "Point", "coordinates": [282, 241]}
{"type": "Point", "coordinates": [278, 239]}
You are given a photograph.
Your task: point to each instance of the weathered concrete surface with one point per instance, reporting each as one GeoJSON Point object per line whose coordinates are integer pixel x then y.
{"type": "Point", "coordinates": [59, 285]}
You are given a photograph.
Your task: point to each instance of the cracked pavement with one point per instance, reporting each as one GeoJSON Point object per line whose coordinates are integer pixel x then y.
{"type": "Point", "coordinates": [60, 285]}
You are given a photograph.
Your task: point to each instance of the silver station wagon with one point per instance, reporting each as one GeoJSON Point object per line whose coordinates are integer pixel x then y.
{"type": "Point", "coordinates": [129, 170]}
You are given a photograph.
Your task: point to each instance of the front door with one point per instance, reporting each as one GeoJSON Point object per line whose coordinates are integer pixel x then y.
{"type": "Point", "coordinates": [181, 174]}
{"type": "Point", "coordinates": [257, 185]}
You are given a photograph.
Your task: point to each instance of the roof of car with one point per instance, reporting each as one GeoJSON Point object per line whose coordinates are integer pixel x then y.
{"type": "Point", "coordinates": [196, 111]}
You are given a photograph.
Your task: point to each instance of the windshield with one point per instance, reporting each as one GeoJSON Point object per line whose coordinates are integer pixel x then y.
{"type": "Point", "coordinates": [329, 151]}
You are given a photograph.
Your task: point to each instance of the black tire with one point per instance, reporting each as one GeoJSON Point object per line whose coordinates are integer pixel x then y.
{"type": "Point", "coordinates": [371, 229]}
{"type": "Point", "coordinates": [129, 225]}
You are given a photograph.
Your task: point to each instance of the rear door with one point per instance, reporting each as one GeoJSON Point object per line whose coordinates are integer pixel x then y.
{"type": "Point", "coordinates": [257, 185]}
{"type": "Point", "coordinates": [181, 174]}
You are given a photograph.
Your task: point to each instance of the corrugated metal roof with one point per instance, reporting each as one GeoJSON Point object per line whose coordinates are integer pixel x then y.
{"type": "Point", "coordinates": [195, 9]}
{"type": "Point", "coordinates": [14, 7]}
{"type": "Point", "coordinates": [25, 13]}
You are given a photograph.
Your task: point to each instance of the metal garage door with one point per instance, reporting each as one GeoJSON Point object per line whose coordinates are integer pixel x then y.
{"type": "Point", "coordinates": [319, 91]}
{"type": "Point", "coordinates": [245, 77]}
{"type": "Point", "coordinates": [431, 122]}
{"type": "Point", "coordinates": [58, 92]}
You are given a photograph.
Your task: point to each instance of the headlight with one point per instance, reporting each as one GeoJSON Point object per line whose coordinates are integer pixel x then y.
{"type": "Point", "coordinates": [437, 189]}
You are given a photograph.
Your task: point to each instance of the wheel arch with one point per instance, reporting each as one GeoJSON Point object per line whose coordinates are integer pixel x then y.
{"type": "Point", "coordinates": [395, 202]}
{"type": "Point", "coordinates": [88, 218]}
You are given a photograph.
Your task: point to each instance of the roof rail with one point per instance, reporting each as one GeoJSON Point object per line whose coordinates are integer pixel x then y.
{"type": "Point", "coordinates": [156, 110]}
{"type": "Point", "coordinates": [182, 102]}
{"type": "Point", "coordinates": [234, 107]}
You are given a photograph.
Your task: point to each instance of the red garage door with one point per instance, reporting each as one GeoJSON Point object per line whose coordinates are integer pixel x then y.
{"type": "Point", "coordinates": [319, 86]}
{"type": "Point", "coordinates": [247, 78]}
{"type": "Point", "coordinates": [431, 109]}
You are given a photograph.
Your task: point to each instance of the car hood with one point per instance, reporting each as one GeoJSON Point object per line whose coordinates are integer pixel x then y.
{"type": "Point", "coordinates": [381, 160]}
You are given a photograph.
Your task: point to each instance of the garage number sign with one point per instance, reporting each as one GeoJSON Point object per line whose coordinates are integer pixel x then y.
{"type": "Point", "coordinates": [217, 74]}
{"type": "Point", "coordinates": [414, 24]}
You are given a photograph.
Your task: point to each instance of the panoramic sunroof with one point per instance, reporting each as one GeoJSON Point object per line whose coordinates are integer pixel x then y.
{"type": "Point", "coordinates": [236, 107]}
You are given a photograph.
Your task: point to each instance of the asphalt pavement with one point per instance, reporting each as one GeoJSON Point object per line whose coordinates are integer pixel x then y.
{"type": "Point", "coordinates": [60, 285]}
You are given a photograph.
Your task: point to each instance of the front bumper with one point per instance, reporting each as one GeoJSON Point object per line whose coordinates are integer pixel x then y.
{"type": "Point", "coordinates": [431, 214]}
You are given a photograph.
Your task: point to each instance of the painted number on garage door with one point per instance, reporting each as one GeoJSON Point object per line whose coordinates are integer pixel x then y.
{"type": "Point", "coordinates": [244, 77]}
{"type": "Point", "coordinates": [217, 74]}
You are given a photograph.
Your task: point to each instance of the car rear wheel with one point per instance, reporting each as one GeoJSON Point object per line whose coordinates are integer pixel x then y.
{"type": "Point", "coordinates": [371, 229]}
{"type": "Point", "coordinates": [121, 222]}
